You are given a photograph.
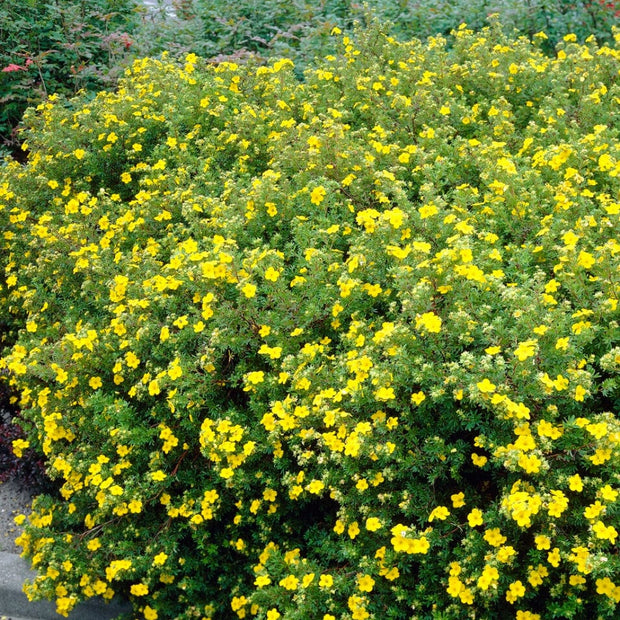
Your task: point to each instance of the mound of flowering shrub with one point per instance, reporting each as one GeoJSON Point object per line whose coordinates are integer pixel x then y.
{"type": "Point", "coordinates": [343, 348]}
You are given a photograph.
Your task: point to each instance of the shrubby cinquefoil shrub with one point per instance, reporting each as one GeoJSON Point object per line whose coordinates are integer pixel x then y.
{"type": "Point", "coordinates": [346, 348]}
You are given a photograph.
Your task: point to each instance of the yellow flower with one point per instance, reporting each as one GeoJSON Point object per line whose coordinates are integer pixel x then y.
{"type": "Point", "coordinates": [249, 290]}
{"type": "Point", "coordinates": [385, 394]}
{"type": "Point", "coordinates": [418, 545]}
{"type": "Point", "coordinates": [605, 532]}
{"type": "Point", "coordinates": [149, 613]}
{"type": "Point", "coordinates": [132, 360]}
{"type": "Point", "coordinates": [536, 575]}
{"type": "Point", "coordinates": [546, 429]}
{"type": "Point", "coordinates": [19, 445]}
{"type": "Point", "coordinates": [273, 352]}
{"type": "Point", "coordinates": [575, 483]}
{"type": "Point", "coordinates": [558, 504]}
{"type": "Point", "coordinates": [593, 510]}
{"type": "Point", "coordinates": [440, 512]}
{"type": "Point", "coordinates": [525, 349]}
{"type": "Point", "coordinates": [139, 589]}
{"type": "Point", "coordinates": [429, 322]}
{"type": "Point", "coordinates": [160, 559]}
{"type": "Point", "coordinates": [255, 377]}
{"type": "Point", "coordinates": [269, 495]}
{"type": "Point", "coordinates": [580, 392]}
{"type": "Point", "coordinates": [530, 463]}
{"type": "Point", "coordinates": [608, 494]}
{"type": "Point", "coordinates": [428, 210]}
{"type": "Point", "coordinates": [458, 499]}
{"type": "Point", "coordinates": [317, 195]}
{"type": "Point", "coordinates": [226, 472]}
{"type": "Point", "coordinates": [478, 460]}
{"type": "Point", "coordinates": [93, 544]}
{"type": "Point", "coordinates": [486, 387]}
{"type": "Point", "coordinates": [490, 575]}
{"type": "Point", "coordinates": [272, 274]}
{"type": "Point", "coordinates": [494, 537]}
{"type": "Point", "coordinates": [598, 431]}
{"type": "Point", "coordinates": [365, 583]}
{"type": "Point", "coordinates": [181, 322]}
{"type": "Point", "coordinates": [326, 581]}
{"type": "Point", "coordinates": [553, 557]}
{"type": "Point", "coordinates": [316, 486]}
{"type": "Point", "coordinates": [290, 582]}
{"type": "Point", "coordinates": [474, 518]}
{"type": "Point", "coordinates": [175, 371]}
{"type": "Point", "coordinates": [515, 591]}
{"type": "Point", "coordinates": [418, 397]}
{"type": "Point", "coordinates": [373, 524]}
{"type": "Point", "coordinates": [585, 260]}
{"type": "Point", "coordinates": [608, 587]}
{"type": "Point", "coordinates": [135, 506]}
{"type": "Point", "coordinates": [600, 456]}
{"type": "Point", "coordinates": [262, 580]}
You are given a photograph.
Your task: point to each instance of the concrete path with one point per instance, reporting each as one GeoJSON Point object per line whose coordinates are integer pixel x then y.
{"type": "Point", "coordinates": [14, 571]}
{"type": "Point", "coordinates": [15, 606]}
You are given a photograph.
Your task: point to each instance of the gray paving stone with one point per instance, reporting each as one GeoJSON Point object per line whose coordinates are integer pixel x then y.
{"type": "Point", "coordinates": [14, 604]}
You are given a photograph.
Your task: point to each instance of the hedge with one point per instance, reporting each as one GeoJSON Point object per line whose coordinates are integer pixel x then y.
{"type": "Point", "coordinates": [345, 347]}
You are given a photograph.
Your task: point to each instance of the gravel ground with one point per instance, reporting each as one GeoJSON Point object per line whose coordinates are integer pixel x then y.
{"type": "Point", "coordinates": [14, 500]}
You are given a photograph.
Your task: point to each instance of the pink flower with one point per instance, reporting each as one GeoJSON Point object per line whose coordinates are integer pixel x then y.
{"type": "Point", "coordinates": [13, 67]}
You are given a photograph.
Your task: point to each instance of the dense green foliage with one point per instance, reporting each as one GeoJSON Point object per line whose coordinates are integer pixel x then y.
{"type": "Point", "coordinates": [58, 47]}
{"type": "Point", "coordinates": [299, 29]}
{"type": "Point", "coordinates": [340, 348]}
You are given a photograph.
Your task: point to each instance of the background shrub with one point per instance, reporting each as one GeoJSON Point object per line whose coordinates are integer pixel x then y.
{"type": "Point", "coordinates": [339, 348]}
{"type": "Point", "coordinates": [58, 47]}
{"type": "Point", "coordinates": [299, 29]}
